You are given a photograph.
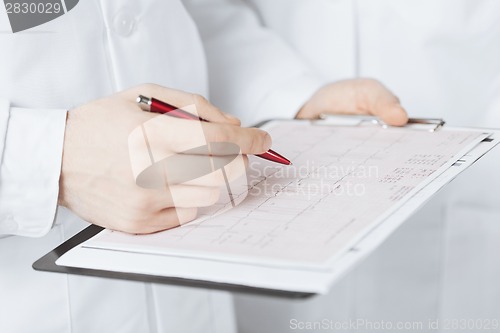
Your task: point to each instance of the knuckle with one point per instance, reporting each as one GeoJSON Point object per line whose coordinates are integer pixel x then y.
{"type": "Point", "coordinates": [199, 100]}
{"type": "Point", "coordinates": [232, 119]}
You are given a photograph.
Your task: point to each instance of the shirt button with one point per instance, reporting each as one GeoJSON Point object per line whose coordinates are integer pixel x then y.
{"type": "Point", "coordinates": [124, 23]}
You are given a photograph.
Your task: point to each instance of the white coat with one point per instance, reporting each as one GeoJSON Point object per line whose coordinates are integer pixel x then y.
{"type": "Point", "coordinates": [95, 49]}
{"type": "Point", "coordinates": [441, 57]}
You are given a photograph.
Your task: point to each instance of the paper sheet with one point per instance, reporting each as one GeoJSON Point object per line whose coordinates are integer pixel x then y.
{"type": "Point", "coordinates": [344, 182]}
{"type": "Point", "coordinates": [277, 278]}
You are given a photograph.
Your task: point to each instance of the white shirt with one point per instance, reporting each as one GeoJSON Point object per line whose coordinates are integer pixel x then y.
{"type": "Point", "coordinates": [95, 49]}
{"type": "Point", "coordinates": [441, 57]}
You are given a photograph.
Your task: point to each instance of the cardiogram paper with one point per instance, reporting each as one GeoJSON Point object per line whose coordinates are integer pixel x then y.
{"type": "Point", "coordinates": [344, 181]}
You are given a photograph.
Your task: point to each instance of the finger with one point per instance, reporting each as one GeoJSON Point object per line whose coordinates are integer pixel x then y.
{"type": "Point", "coordinates": [381, 102]}
{"type": "Point", "coordinates": [165, 135]}
{"type": "Point", "coordinates": [169, 218]}
{"type": "Point", "coordinates": [394, 115]}
{"type": "Point", "coordinates": [146, 222]}
{"type": "Point", "coordinates": [227, 173]}
{"type": "Point", "coordinates": [208, 111]}
{"type": "Point", "coordinates": [203, 108]}
{"type": "Point", "coordinates": [181, 147]}
{"type": "Point", "coordinates": [180, 196]}
{"type": "Point", "coordinates": [185, 196]}
{"type": "Point", "coordinates": [183, 168]}
{"type": "Point", "coordinates": [250, 140]}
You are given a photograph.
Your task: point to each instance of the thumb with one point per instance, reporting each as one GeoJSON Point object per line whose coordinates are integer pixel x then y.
{"type": "Point", "coordinates": [381, 102]}
{"type": "Point", "coordinates": [394, 115]}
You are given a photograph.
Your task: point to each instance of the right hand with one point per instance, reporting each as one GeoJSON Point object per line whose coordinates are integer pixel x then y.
{"type": "Point", "coordinates": [97, 181]}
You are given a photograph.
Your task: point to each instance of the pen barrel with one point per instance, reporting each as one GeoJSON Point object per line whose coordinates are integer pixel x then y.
{"type": "Point", "coordinates": [158, 106]}
{"type": "Point", "coordinates": [165, 108]}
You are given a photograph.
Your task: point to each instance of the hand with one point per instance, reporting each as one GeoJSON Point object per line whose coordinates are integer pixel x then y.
{"type": "Point", "coordinates": [98, 182]}
{"type": "Point", "coordinates": [359, 96]}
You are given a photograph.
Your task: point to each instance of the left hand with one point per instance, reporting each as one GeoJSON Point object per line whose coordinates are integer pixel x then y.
{"type": "Point", "coordinates": [357, 96]}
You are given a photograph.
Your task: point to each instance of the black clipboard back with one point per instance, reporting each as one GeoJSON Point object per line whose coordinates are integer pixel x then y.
{"type": "Point", "coordinates": [47, 263]}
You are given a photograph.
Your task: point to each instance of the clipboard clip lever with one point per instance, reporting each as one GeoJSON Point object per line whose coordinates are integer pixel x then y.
{"type": "Point", "coordinates": [430, 124]}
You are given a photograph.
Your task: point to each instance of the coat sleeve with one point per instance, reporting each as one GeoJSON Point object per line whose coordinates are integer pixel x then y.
{"type": "Point", "coordinates": [31, 142]}
{"type": "Point", "coordinates": [253, 74]}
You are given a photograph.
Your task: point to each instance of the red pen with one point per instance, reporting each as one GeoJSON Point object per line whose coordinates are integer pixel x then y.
{"type": "Point", "coordinates": [158, 106]}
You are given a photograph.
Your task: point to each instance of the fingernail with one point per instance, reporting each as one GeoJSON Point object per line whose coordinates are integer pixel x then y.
{"type": "Point", "coordinates": [268, 141]}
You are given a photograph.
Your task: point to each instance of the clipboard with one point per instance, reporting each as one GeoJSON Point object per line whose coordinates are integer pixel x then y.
{"type": "Point", "coordinates": [48, 262]}
{"type": "Point", "coordinates": [427, 124]}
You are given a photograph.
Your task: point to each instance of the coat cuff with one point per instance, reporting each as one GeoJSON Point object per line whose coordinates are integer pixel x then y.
{"type": "Point", "coordinates": [31, 143]}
